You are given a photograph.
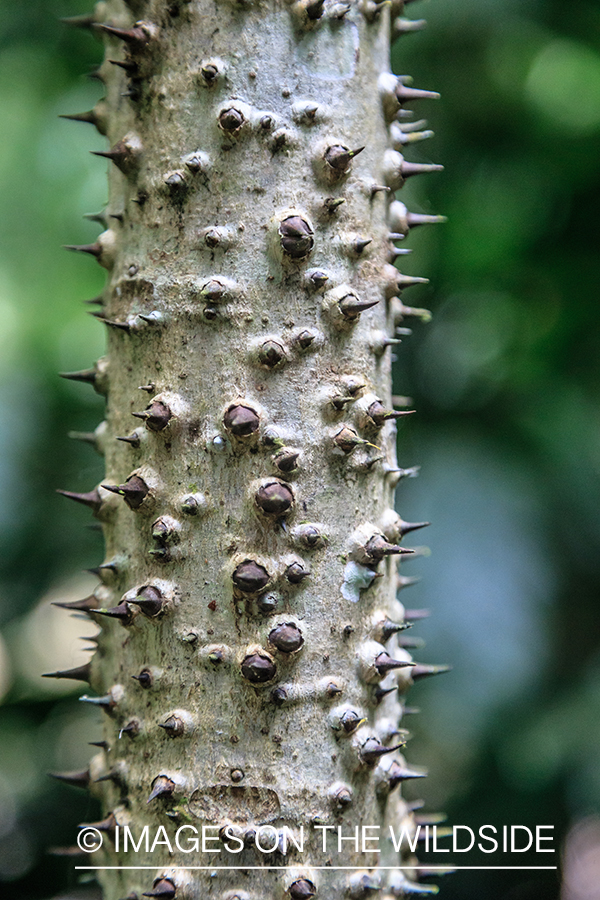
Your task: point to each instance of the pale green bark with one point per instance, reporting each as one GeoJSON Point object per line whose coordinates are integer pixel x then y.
{"type": "Point", "coordinates": [236, 110]}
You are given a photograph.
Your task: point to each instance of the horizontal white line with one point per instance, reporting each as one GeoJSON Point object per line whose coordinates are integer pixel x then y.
{"type": "Point", "coordinates": [425, 865]}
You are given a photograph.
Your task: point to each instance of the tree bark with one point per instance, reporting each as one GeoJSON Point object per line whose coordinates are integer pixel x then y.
{"type": "Point", "coordinates": [248, 596]}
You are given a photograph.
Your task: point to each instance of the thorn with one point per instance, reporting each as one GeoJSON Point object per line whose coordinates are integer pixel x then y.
{"type": "Point", "coordinates": [91, 499]}
{"type": "Point", "coordinates": [286, 460]}
{"type": "Point", "coordinates": [132, 729]}
{"type": "Point", "coordinates": [386, 628]}
{"type": "Point", "coordinates": [111, 323]}
{"type": "Point", "coordinates": [258, 669]}
{"type": "Point", "coordinates": [150, 601]}
{"type": "Point", "coordinates": [360, 244]}
{"type": "Point", "coordinates": [348, 440]}
{"type": "Point", "coordinates": [162, 787]}
{"type": "Point", "coordinates": [270, 354]}
{"type": "Point", "coordinates": [350, 721]}
{"type": "Point", "coordinates": [241, 420]}
{"type": "Point", "coordinates": [398, 773]}
{"type": "Point", "coordinates": [86, 22]}
{"type": "Point", "coordinates": [87, 605]}
{"type": "Point", "coordinates": [302, 889]}
{"type": "Point", "coordinates": [136, 37]}
{"type": "Point", "coordinates": [75, 779]}
{"type": "Point", "coordinates": [314, 11]}
{"type": "Point", "coordinates": [414, 615]}
{"type": "Point", "coordinates": [102, 744]}
{"type": "Point", "coordinates": [351, 307]}
{"type": "Point", "coordinates": [421, 671]}
{"type": "Point", "coordinates": [157, 416]}
{"type": "Point", "coordinates": [296, 237]}
{"type": "Point", "coordinates": [250, 577]}
{"type": "Point", "coordinates": [339, 157]}
{"type": "Point", "coordinates": [95, 301]}
{"type": "Point", "coordinates": [107, 825]}
{"type": "Point", "coordinates": [80, 673]}
{"type": "Point", "coordinates": [145, 678]}
{"type": "Point", "coordinates": [173, 727]}
{"type": "Point", "coordinates": [332, 203]}
{"type": "Point", "coordinates": [406, 94]}
{"type": "Point", "coordinates": [162, 888]}
{"type": "Point", "coordinates": [130, 67]}
{"type": "Point", "coordinates": [122, 612]}
{"type": "Point", "coordinates": [379, 414]}
{"type": "Point", "coordinates": [86, 375]}
{"type": "Point", "coordinates": [377, 547]}
{"type": "Point", "coordinates": [406, 26]}
{"type": "Point", "coordinates": [296, 573]}
{"type": "Point", "coordinates": [133, 439]}
{"type": "Point", "coordinates": [287, 637]}
{"type": "Point", "coordinates": [372, 750]}
{"type": "Point", "coordinates": [380, 692]}
{"type": "Point", "coordinates": [377, 188]}
{"type": "Point", "coordinates": [411, 643]}
{"type": "Point", "coordinates": [134, 491]}
{"type": "Point", "coordinates": [275, 498]}
{"type": "Point", "coordinates": [89, 116]}
{"type": "Point", "coordinates": [92, 249]}
{"type": "Point", "coordinates": [384, 664]}
{"type": "Point", "coordinates": [121, 155]}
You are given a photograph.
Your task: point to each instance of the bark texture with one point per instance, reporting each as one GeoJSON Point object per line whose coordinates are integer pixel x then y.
{"type": "Point", "coordinates": [248, 598]}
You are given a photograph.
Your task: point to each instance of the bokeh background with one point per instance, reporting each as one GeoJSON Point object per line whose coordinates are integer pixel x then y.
{"type": "Point", "coordinates": [506, 380]}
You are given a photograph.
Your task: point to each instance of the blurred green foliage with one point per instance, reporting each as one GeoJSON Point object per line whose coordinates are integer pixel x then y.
{"type": "Point", "coordinates": [506, 380]}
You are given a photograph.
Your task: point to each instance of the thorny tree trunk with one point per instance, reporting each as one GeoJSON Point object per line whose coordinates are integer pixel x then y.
{"type": "Point", "coordinates": [250, 662]}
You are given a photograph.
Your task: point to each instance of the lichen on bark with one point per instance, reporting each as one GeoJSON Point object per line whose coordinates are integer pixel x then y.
{"type": "Point", "coordinates": [250, 661]}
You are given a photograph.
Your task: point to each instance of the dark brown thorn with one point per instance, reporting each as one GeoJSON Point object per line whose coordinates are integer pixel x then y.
{"type": "Point", "coordinates": [379, 414]}
{"type": "Point", "coordinates": [350, 720]}
{"type": "Point", "coordinates": [111, 323]}
{"type": "Point", "coordinates": [162, 787]}
{"type": "Point", "coordinates": [145, 678]}
{"type": "Point", "coordinates": [250, 577]}
{"type": "Point", "coordinates": [258, 669]}
{"type": "Point", "coordinates": [95, 301]}
{"type": "Point", "coordinates": [134, 490]}
{"type": "Point", "coordinates": [120, 154]}
{"type": "Point", "coordinates": [87, 605]}
{"type": "Point", "coordinates": [150, 601]}
{"type": "Point", "coordinates": [132, 439]}
{"type": "Point", "coordinates": [361, 244]}
{"type": "Point", "coordinates": [92, 249]}
{"type": "Point", "coordinates": [296, 237]}
{"type": "Point", "coordinates": [381, 692]}
{"type": "Point", "coordinates": [398, 773]}
{"type": "Point", "coordinates": [173, 727]}
{"type": "Point", "coordinates": [275, 498]}
{"type": "Point", "coordinates": [339, 157]}
{"type": "Point", "coordinates": [75, 779]}
{"type": "Point", "coordinates": [373, 750]}
{"type": "Point", "coordinates": [127, 65]}
{"type": "Point", "coordinates": [80, 673]}
{"type": "Point", "coordinates": [287, 637]}
{"type": "Point", "coordinates": [107, 825]}
{"type": "Point", "coordinates": [91, 499]}
{"type": "Point", "coordinates": [157, 416]}
{"type": "Point", "coordinates": [241, 420]}
{"type": "Point", "coordinates": [163, 888]}
{"type": "Point", "coordinates": [122, 612]}
{"type": "Point", "coordinates": [131, 729]}
{"type": "Point", "coordinates": [387, 628]}
{"type": "Point", "coordinates": [332, 203]}
{"type": "Point", "coordinates": [314, 9]}
{"type": "Point", "coordinates": [286, 460]}
{"type": "Point", "coordinates": [295, 573]}
{"type": "Point", "coordinates": [351, 307]}
{"type": "Point", "coordinates": [302, 889]}
{"type": "Point", "coordinates": [136, 37]}
{"type": "Point", "coordinates": [102, 744]}
{"type": "Point", "coordinates": [384, 664]}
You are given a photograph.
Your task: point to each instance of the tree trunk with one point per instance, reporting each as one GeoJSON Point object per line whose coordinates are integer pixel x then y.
{"type": "Point", "coordinates": [250, 662]}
